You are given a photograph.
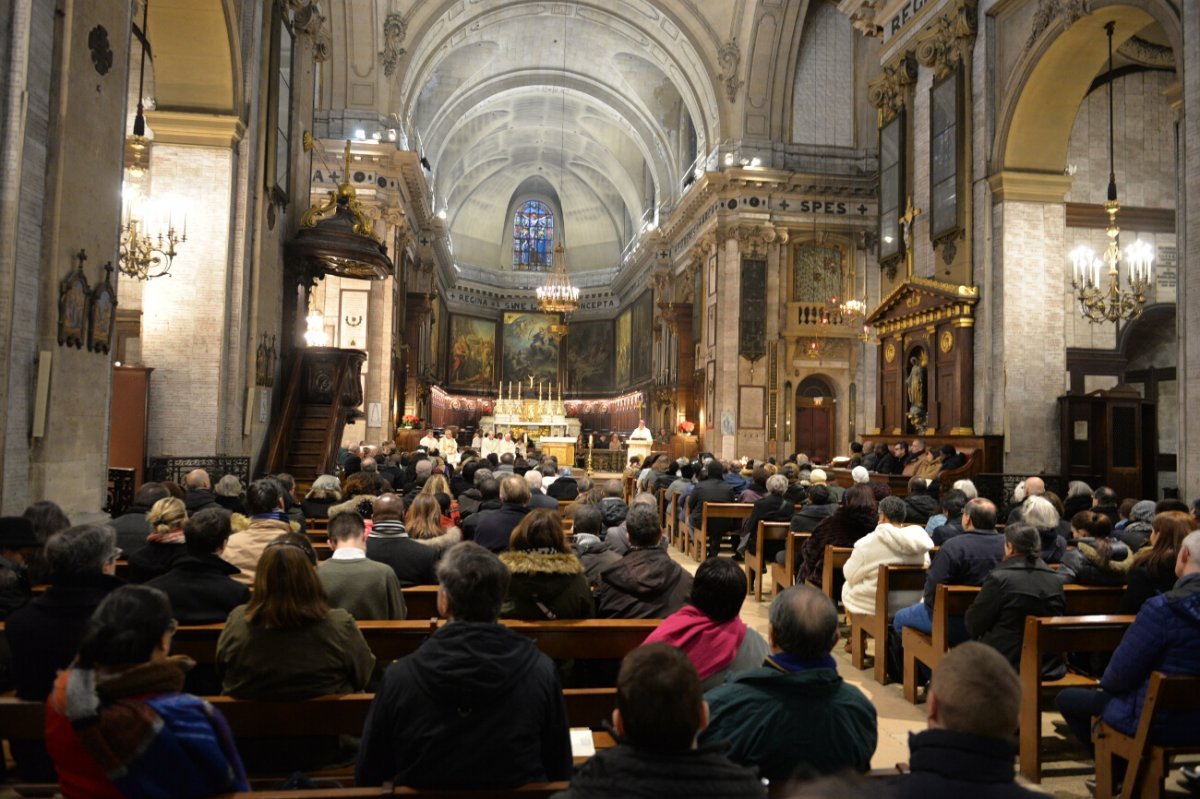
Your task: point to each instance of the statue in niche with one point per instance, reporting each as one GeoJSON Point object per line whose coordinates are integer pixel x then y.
{"type": "Point", "coordinates": [916, 390]}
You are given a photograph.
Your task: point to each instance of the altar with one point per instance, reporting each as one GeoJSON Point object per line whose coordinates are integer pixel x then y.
{"type": "Point", "coordinates": [543, 419]}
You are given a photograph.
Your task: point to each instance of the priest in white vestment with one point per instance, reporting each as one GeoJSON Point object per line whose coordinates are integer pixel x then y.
{"type": "Point", "coordinates": [641, 441]}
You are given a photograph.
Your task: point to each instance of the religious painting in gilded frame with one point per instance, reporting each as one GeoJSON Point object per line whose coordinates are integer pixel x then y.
{"type": "Point", "coordinates": [590, 356]}
{"type": "Point", "coordinates": [641, 336]}
{"type": "Point", "coordinates": [529, 350]}
{"type": "Point", "coordinates": [471, 352]}
{"type": "Point", "coordinates": [623, 348]}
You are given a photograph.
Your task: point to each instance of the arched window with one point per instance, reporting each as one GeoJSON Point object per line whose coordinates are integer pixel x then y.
{"type": "Point", "coordinates": [533, 237]}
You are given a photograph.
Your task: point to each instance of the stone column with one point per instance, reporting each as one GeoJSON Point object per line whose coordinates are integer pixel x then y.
{"type": "Point", "coordinates": [186, 325]}
{"type": "Point", "coordinates": [729, 267]}
{"type": "Point", "coordinates": [1028, 358]}
{"type": "Point", "coordinates": [1187, 309]}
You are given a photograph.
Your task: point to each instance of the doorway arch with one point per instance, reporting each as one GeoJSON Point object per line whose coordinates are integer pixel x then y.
{"type": "Point", "coordinates": [816, 418]}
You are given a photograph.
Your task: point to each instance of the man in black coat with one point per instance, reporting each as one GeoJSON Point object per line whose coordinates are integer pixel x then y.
{"type": "Point", "coordinates": [660, 711]}
{"type": "Point", "coordinates": [414, 563]}
{"type": "Point", "coordinates": [974, 705]}
{"type": "Point", "coordinates": [489, 499]}
{"type": "Point", "coordinates": [565, 486]}
{"type": "Point", "coordinates": [537, 497]}
{"type": "Point", "coordinates": [44, 635]}
{"type": "Point", "coordinates": [495, 527]}
{"type": "Point", "coordinates": [712, 488]}
{"type": "Point", "coordinates": [646, 583]}
{"type": "Point", "coordinates": [200, 584]}
{"type": "Point", "coordinates": [477, 705]}
{"type": "Point", "coordinates": [131, 526]}
{"type": "Point", "coordinates": [18, 546]}
{"type": "Point", "coordinates": [199, 492]}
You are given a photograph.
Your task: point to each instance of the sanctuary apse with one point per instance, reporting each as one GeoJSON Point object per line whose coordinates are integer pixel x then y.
{"type": "Point", "coordinates": [735, 187]}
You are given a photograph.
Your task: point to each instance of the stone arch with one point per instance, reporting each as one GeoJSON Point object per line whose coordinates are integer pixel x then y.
{"type": "Point", "coordinates": [770, 57]}
{"type": "Point", "coordinates": [1052, 78]}
{"type": "Point", "coordinates": [197, 56]}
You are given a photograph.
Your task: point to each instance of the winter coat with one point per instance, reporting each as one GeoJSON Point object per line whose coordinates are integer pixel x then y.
{"type": "Point", "coordinates": [919, 507]}
{"type": "Point", "coordinates": [842, 529]}
{"type": "Point", "coordinates": [595, 555]}
{"type": "Point", "coordinates": [494, 528]}
{"type": "Point", "coordinates": [627, 771]}
{"type": "Point", "coordinates": [132, 529]}
{"type": "Point", "coordinates": [198, 499]}
{"type": "Point", "coordinates": [471, 523]}
{"type": "Point", "coordinates": [945, 532]}
{"type": "Point", "coordinates": [359, 503]}
{"type": "Point", "coordinates": [468, 503]}
{"type": "Point", "coordinates": [771, 508]}
{"type": "Point", "coordinates": [887, 544]}
{"type": "Point", "coordinates": [1072, 505]}
{"type": "Point", "coordinates": [1084, 565]}
{"type": "Point", "coordinates": [949, 765]}
{"type": "Point", "coordinates": [780, 720]}
{"type": "Point", "coordinates": [714, 490]}
{"type": "Point", "coordinates": [154, 560]}
{"type": "Point", "coordinates": [413, 562]}
{"type": "Point", "coordinates": [964, 560]}
{"type": "Point", "coordinates": [546, 587]}
{"type": "Point", "coordinates": [565, 487]}
{"type": "Point", "coordinates": [1165, 636]}
{"type": "Point", "coordinates": [646, 584]}
{"type": "Point", "coordinates": [806, 519]}
{"type": "Point", "coordinates": [1054, 545]}
{"type": "Point", "coordinates": [1145, 582]}
{"type": "Point", "coordinates": [1134, 535]}
{"type": "Point", "coordinates": [246, 545]}
{"type": "Point", "coordinates": [476, 706]}
{"type": "Point", "coordinates": [1016, 588]}
{"type": "Point", "coordinates": [326, 657]}
{"type": "Point", "coordinates": [201, 589]}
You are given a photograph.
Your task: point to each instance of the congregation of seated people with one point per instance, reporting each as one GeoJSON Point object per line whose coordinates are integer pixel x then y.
{"type": "Point", "coordinates": [706, 706]}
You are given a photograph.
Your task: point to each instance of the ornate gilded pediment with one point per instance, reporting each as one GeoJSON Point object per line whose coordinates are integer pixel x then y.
{"type": "Point", "coordinates": [918, 302]}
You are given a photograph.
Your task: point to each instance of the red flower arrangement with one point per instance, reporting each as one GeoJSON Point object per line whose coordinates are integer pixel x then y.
{"type": "Point", "coordinates": [410, 421]}
{"type": "Point", "coordinates": [687, 427]}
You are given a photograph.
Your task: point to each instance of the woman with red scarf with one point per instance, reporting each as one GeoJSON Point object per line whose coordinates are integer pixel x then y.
{"type": "Point", "coordinates": [708, 628]}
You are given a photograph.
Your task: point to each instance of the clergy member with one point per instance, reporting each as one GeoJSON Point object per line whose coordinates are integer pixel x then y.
{"type": "Point", "coordinates": [428, 441]}
{"type": "Point", "coordinates": [641, 433]}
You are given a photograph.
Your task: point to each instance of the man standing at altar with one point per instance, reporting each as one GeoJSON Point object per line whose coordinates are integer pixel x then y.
{"type": "Point", "coordinates": [641, 441]}
{"type": "Point", "coordinates": [428, 441]}
{"type": "Point", "coordinates": [507, 446]}
{"type": "Point", "coordinates": [489, 444]}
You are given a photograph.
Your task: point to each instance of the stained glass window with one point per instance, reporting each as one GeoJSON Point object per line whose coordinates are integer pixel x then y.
{"type": "Point", "coordinates": [533, 237]}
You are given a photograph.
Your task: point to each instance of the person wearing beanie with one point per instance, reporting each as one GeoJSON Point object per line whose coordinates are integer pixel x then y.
{"type": "Point", "coordinates": [1136, 534]}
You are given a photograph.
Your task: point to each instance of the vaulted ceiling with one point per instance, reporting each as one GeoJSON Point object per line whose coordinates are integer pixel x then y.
{"type": "Point", "coordinates": [602, 104]}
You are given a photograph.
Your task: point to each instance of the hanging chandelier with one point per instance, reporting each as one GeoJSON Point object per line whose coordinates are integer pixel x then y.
{"type": "Point", "coordinates": [144, 254]}
{"type": "Point", "coordinates": [1098, 290]}
{"type": "Point", "coordinates": [557, 295]}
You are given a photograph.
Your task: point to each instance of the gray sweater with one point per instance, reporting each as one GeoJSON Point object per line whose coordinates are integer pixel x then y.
{"type": "Point", "coordinates": [366, 589]}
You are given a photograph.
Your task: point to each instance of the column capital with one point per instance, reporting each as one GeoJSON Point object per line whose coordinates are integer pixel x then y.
{"type": "Point", "coordinates": [195, 128]}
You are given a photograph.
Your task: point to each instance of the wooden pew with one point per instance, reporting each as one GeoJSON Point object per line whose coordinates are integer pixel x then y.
{"type": "Point", "coordinates": [673, 526]}
{"type": "Point", "coordinates": [895, 590]}
{"type": "Point", "coordinates": [563, 504]}
{"type": "Point", "coordinates": [949, 601]}
{"type": "Point", "coordinates": [1056, 635]}
{"type": "Point", "coordinates": [712, 511]}
{"type": "Point", "coordinates": [782, 574]}
{"type": "Point", "coordinates": [421, 601]}
{"type": "Point", "coordinates": [835, 560]}
{"type": "Point", "coordinates": [756, 563]}
{"type": "Point", "coordinates": [928, 649]}
{"type": "Point", "coordinates": [578, 639]}
{"type": "Point", "coordinates": [1148, 762]}
{"type": "Point", "coordinates": [538, 790]}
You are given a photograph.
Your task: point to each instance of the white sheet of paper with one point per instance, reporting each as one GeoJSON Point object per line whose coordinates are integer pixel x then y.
{"type": "Point", "coordinates": [581, 742]}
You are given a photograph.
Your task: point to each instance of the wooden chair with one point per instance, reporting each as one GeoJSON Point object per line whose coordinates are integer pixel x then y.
{"type": "Point", "coordinates": [782, 574]}
{"type": "Point", "coordinates": [898, 587]}
{"type": "Point", "coordinates": [756, 563]}
{"type": "Point", "coordinates": [1148, 762]}
{"type": "Point", "coordinates": [717, 510]}
{"type": "Point", "coordinates": [831, 569]}
{"type": "Point", "coordinates": [1051, 636]}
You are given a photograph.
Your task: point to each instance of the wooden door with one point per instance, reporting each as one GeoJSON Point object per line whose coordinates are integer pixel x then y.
{"type": "Point", "coordinates": [814, 430]}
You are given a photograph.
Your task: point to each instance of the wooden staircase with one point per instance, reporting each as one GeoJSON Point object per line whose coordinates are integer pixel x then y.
{"type": "Point", "coordinates": [324, 392]}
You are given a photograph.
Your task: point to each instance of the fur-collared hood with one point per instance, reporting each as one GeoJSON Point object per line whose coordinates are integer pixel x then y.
{"type": "Point", "coordinates": [1119, 559]}
{"type": "Point", "coordinates": [443, 541]}
{"type": "Point", "coordinates": [541, 563]}
{"type": "Point", "coordinates": [351, 505]}
{"type": "Point", "coordinates": [241, 523]}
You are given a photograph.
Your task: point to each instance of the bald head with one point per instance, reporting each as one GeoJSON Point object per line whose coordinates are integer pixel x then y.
{"type": "Point", "coordinates": [1034, 486]}
{"type": "Point", "coordinates": [388, 508]}
{"type": "Point", "coordinates": [197, 478]}
{"type": "Point", "coordinates": [803, 623]}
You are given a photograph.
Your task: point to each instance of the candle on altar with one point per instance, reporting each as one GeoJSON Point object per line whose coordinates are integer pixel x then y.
{"type": "Point", "coordinates": [531, 382]}
{"type": "Point", "coordinates": [589, 440]}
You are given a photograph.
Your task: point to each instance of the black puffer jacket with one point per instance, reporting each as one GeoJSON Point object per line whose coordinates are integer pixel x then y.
{"type": "Point", "coordinates": [919, 507]}
{"type": "Point", "coordinates": [705, 773]}
{"type": "Point", "coordinates": [1084, 564]}
{"type": "Point", "coordinates": [1016, 588]}
{"type": "Point", "coordinates": [477, 706]}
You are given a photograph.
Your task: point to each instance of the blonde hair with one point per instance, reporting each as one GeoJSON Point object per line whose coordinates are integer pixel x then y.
{"type": "Point", "coordinates": [436, 484]}
{"type": "Point", "coordinates": [167, 515]}
{"type": "Point", "coordinates": [424, 518]}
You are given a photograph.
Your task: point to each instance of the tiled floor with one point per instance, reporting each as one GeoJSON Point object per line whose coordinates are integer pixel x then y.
{"type": "Point", "coordinates": [1064, 768]}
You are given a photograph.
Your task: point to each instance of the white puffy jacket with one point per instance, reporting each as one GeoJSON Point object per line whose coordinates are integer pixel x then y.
{"type": "Point", "coordinates": [888, 544]}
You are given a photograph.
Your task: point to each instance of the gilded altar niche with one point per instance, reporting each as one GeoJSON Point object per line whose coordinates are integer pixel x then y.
{"type": "Point", "coordinates": [926, 362]}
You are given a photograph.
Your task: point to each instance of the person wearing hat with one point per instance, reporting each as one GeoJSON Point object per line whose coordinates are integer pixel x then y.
{"type": "Point", "coordinates": [1136, 534]}
{"type": "Point", "coordinates": [18, 544]}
